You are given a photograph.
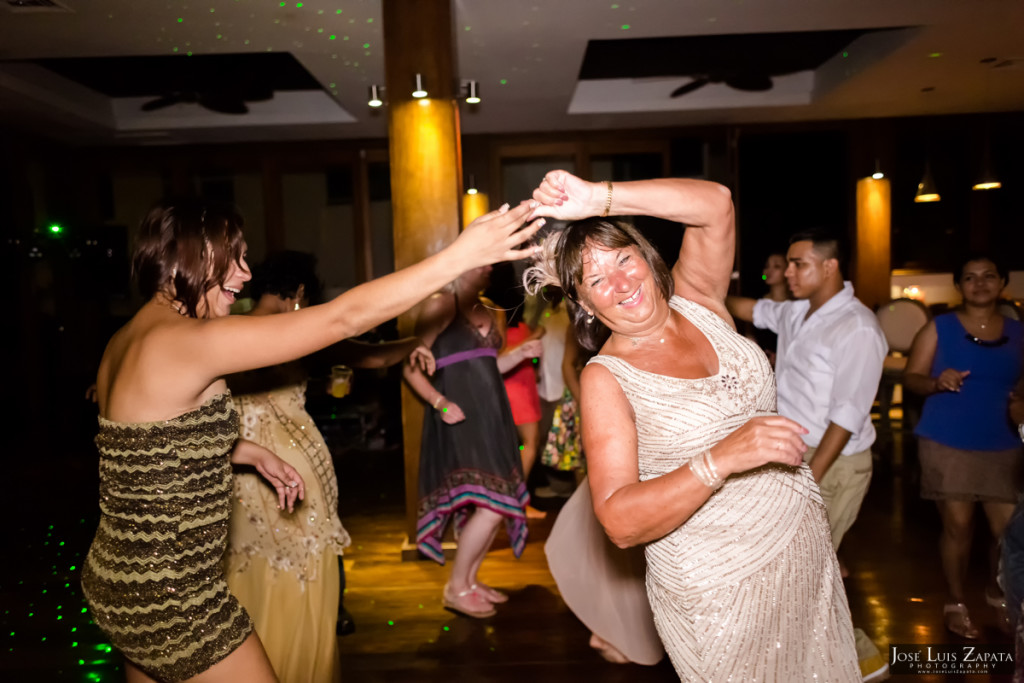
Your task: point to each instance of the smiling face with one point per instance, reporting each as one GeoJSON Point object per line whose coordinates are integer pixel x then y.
{"type": "Point", "coordinates": [980, 282]}
{"type": "Point", "coordinates": [618, 287]}
{"type": "Point", "coordinates": [218, 299]}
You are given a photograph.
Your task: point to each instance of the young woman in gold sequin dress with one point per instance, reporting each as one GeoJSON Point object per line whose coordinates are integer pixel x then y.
{"type": "Point", "coordinates": [168, 428]}
{"type": "Point", "coordinates": [684, 450]}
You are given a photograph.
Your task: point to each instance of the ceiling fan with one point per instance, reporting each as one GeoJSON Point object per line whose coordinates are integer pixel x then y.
{"type": "Point", "coordinates": [746, 81]}
{"type": "Point", "coordinates": [228, 100]}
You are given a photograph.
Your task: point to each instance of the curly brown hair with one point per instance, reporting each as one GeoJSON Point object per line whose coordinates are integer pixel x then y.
{"type": "Point", "coordinates": [185, 247]}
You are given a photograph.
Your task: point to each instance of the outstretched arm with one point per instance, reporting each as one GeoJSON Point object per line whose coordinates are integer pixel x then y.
{"type": "Point", "coordinates": [213, 348]}
{"type": "Point", "coordinates": [360, 354]}
{"type": "Point", "coordinates": [705, 262]}
{"type": "Point", "coordinates": [741, 307]}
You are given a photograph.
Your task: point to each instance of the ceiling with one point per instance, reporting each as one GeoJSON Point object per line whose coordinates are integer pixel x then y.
{"type": "Point", "coordinates": [528, 56]}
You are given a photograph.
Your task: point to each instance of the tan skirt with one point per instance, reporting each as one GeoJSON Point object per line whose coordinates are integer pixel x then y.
{"type": "Point", "coordinates": [953, 474]}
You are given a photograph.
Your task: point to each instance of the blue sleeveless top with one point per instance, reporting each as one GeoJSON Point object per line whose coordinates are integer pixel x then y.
{"type": "Point", "coordinates": [977, 417]}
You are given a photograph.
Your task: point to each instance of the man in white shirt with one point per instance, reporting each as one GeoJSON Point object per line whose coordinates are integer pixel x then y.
{"type": "Point", "coordinates": [827, 370]}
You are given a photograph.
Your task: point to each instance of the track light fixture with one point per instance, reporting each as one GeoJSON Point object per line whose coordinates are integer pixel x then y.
{"type": "Point", "coordinates": [419, 92]}
{"type": "Point", "coordinates": [472, 92]}
{"type": "Point", "coordinates": [375, 100]}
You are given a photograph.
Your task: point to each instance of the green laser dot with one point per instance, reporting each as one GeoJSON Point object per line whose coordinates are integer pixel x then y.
{"type": "Point", "coordinates": [503, 81]}
{"type": "Point", "coordinates": [845, 53]}
{"type": "Point", "coordinates": [390, 623]}
{"type": "Point", "coordinates": [180, 20]}
{"type": "Point", "coordinates": [522, 447]}
{"type": "Point", "coordinates": [444, 410]}
{"type": "Point", "coordinates": [366, 45]}
{"type": "Point", "coordinates": [74, 643]}
{"type": "Point", "coordinates": [84, 610]}
{"type": "Point", "coordinates": [81, 662]}
{"type": "Point", "coordinates": [446, 628]}
{"type": "Point", "coordinates": [333, 37]}
{"type": "Point", "coordinates": [625, 27]}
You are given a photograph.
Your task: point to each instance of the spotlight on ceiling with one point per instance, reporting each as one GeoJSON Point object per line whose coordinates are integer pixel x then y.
{"type": "Point", "coordinates": [375, 100]}
{"type": "Point", "coordinates": [419, 91]}
{"type": "Point", "coordinates": [472, 92]}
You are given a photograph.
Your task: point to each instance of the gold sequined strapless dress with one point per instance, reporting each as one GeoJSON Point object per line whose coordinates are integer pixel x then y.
{"type": "Point", "coordinates": [748, 588]}
{"type": "Point", "coordinates": [153, 576]}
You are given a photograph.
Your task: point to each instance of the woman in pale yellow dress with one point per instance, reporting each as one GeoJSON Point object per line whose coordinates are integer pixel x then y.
{"type": "Point", "coordinates": [284, 566]}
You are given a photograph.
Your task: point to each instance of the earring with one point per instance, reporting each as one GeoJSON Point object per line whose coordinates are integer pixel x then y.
{"type": "Point", "coordinates": [590, 319]}
{"type": "Point", "coordinates": [296, 305]}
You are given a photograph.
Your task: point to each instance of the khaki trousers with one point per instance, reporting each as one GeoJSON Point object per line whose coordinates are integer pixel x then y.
{"type": "Point", "coordinates": [843, 488]}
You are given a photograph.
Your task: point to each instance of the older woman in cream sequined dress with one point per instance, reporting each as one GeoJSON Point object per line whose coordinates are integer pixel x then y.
{"type": "Point", "coordinates": [685, 452]}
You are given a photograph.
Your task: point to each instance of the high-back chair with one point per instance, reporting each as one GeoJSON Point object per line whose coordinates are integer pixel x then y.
{"type": "Point", "coordinates": [900, 320]}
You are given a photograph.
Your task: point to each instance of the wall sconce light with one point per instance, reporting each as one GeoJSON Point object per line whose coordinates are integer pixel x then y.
{"type": "Point", "coordinates": [472, 185]}
{"type": "Point", "coordinates": [472, 92]}
{"type": "Point", "coordinates": [419, 92]}
{"type": "Point", "coordinates": [375, 100]}
{"type": "Point", "coordinates": [878, 175]}
{"type": "Point", "coordinates": [926, 190]}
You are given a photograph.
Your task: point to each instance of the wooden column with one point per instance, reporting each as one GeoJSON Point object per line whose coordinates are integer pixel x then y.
{"type": "Point", "coordinates": [871, 273]}
{"type": "Point", "coordinates": [425, 169]}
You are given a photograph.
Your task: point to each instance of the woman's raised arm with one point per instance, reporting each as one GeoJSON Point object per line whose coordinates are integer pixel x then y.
{"type": "Point", "coordinates": [705, 262]}
{"type": "Point", "coordinates": [235, 343]}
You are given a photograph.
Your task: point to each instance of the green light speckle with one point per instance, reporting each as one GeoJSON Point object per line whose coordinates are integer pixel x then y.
{"type": "Point", "coordinates": [370, 20]}
{"type": "Point", "coordinates": [935, 54]}
{"type": "Point", "coordinates": [845, 53]}
{"type": "Point", "coordinates": [366, 45]}
{"type": "Point", "coordinates": [331, 37]}
{"type": "Point", "coordinates": [390, 623]}
{"type": "Point", "coordinates": [180, 19]}
{"type": "Point", "coordinates": [626, 27]}
{"type": "Point", "coordinates": [503, 81]}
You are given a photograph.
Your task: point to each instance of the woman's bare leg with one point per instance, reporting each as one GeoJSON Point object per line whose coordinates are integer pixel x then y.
{"type": "Point", "coordinates": [474, 541]}
{"type": "Point", "coordinates": [955, 543]}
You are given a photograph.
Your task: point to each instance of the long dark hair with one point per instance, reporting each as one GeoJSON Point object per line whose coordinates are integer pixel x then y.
{"type": "Point", "coordinates": [565, 262]}
{"type": "Point", "coordinates": [185, 247]}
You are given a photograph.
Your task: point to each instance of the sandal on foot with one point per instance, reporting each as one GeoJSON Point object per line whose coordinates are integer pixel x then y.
{"type": "Point", "coordinates": [468, 603]}
{"type": "Point", "coordinates": [957, 620]}
{"type": "Point", "coordinates": [490, 594]}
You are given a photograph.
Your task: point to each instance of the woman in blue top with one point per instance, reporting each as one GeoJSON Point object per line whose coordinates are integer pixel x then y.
{"type": "Point", "coordinates": [967, 363]}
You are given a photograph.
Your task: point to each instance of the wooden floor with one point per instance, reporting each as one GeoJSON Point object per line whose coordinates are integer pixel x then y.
{"type": "Point", "coordinates": [896, 590]}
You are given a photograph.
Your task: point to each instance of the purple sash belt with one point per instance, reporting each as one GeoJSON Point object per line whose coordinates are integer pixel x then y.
{"type": "Point", "coordinates": [453, 358]}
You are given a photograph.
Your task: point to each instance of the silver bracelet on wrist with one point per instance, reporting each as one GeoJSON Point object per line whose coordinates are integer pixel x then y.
{"type": "Point", "coordinates": [704, 469]}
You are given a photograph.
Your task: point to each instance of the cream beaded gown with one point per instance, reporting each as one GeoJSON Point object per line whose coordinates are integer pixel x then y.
{"type": "Point", "coordinates": [748, 588]}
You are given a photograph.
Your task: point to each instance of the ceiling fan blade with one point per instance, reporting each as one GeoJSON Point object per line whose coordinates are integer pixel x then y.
{"type": "Point", "coordinates": [224, 104]}
{"type": "Point", "coordinates": [161, 102]}
{"type": "Point", "coordinates": [750, 82]}
{"type": "Point", "coordinates": [695, 84]}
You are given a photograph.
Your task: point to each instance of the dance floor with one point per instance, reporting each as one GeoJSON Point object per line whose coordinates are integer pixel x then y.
{"type": "Point", "coordinates": [895, 587]}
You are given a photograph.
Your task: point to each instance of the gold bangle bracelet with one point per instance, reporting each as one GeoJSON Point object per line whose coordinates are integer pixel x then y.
{"type": "Point", "coordinates": [608, 200]}
{"type": "Point", "coordinates": [437, 401]}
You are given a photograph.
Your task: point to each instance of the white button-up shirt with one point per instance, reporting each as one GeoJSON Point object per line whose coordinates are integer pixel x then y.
{"type": "Point", "coordinates": [827, 366]}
